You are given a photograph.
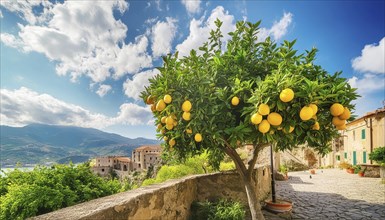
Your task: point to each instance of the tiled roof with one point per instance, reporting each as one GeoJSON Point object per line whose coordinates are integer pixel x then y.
{"type": "Point", "coordinates": [148, 147]}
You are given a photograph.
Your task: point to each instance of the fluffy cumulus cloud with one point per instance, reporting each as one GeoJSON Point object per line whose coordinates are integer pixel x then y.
{"type": "Point", "coordinates": [192, 6]}
{"type": "Point", "coordinates": [103, 90]}
{"type": "Point", "coordinates": [371, 59]}
{"type": "Point", "coordinates": [24, 106]}
{"type": "Point", "coordinates": [133, 87]}
{"type": "Point", "coordinates": [82, 36]}
{"type": "Point", "coordinates": [162, 34]}
{"type": "Point", "coordinates": [200, 29]}
{"type": "Point", "coordinates": [369, 83]}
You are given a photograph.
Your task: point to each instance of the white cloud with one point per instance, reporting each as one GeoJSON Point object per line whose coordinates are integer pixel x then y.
{"type": "Point", "coordinates": [24, 106]}
{"type": "Point", "coordinates": [103, 90]}
{"type": "Point", "coordinates": [278, 30]}
{"type": "Point", "coordinates": [82, 36]}
{"type": "Point", "coordinates": [371, 59]}
{"type": "Point", "coordinates": [368, 84]}
{"type": "Point", "coordinates": [200, 30]}
{"type": "Point", "coordinates": [24, 9]}
{"type": "Point", "coordinates": [132, 88]}
{"type": "Point", "coordinates": [192, 6]}
{"type": "Point", "coordinates": [162, 34]}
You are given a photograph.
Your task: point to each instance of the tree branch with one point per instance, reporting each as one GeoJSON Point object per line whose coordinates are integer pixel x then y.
{"type": "Point", "coordinates": [236, 158]}
{"type": "Point", "coordinates": [253, 161]}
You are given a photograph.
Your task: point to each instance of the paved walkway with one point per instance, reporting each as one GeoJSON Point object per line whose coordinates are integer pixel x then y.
{"type": "Point", "coordinates": [333, 194]}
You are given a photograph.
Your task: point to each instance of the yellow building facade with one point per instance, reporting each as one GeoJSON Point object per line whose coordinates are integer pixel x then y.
{"type": "Point", "coordinates": [360, 138]}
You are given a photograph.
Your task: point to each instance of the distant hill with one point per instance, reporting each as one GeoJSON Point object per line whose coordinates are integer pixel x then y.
{"type": "Point", "coordinates": [38, 144]}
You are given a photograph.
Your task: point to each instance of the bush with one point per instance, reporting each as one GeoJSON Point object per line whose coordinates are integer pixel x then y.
{"type": "Point", "coordinates": [378, 155]}
{"type": "Point", "coordinates": [344, 165]}
{"type": "Point", "coordinates": [221, 210]}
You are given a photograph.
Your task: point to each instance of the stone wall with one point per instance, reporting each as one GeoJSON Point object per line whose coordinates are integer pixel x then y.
{"type": "Point", "coordinates": [169, 200]}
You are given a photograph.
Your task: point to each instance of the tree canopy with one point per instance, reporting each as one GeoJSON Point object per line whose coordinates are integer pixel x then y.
{"type": "Point", "coordinates": [226, 85]}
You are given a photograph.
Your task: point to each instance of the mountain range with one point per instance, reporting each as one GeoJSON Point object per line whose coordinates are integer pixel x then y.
{"type": "Point", "coordinates": [44, 144]}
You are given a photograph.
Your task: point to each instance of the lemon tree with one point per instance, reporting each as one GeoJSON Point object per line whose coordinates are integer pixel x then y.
{"type": "Point", "coordinates": [246, 92]}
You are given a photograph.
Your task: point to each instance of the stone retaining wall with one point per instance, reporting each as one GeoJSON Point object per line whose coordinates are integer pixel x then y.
{"type": "Point", "coordinates": [169, 200]}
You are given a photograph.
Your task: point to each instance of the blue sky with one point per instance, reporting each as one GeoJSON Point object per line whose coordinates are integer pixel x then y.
{"type": "Point", "coordinates": [84, 63]}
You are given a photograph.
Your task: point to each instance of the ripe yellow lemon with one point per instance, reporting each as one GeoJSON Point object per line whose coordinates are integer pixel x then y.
{"type": "Point", "coordinates": [188, 131]}
{"type": "Point", "coordinates": [314, 107]}
{"type": "Point", "coordinates": [160, 105]}
{"type": "Point", "coordinates": [336, 109]}
{"type": "Point", "coordinates": [171, 142]}
{"type": "Point", "coordinates": [235, 101]}
{"type": "Point", "coordinates": [169, 126]}
{"type": "Point", "coordinates": [264, 126]}
{"type": "Point", "coordinates": [169, 120]}
{"type": "Point", "coordinates": [186, 106]}
{"type": "Point", "coordinates": [163, 119]}
{"type": "Point", "coordinates": [306, 113]}
{"type": "Point", "coordinates": [159, 126]}
{"type": "Point", "coordinates": [263, 109]}
{"type": "Point", "coordinates": [167, 99]}
{"type": "Point", "coordinates": [165, 138]}
{"type": "Point", "coordinates": [198, 137]}
{"type": "Point", "coordinates": [175, 123]}
{"type": "Point", "coordinates": [286, 95]}
{"type": "Point", "coordinates": [186, 116]}
{"type": "Point", "coordinates": [337, 122]}
{"type": "Point", "coordinates": [153, 108]}
{"type": "Point", "coordinates": [341, 127]}
{"type": "Point", "coordinates": [274, 118]}
{"type": "Point", "coordinates": [291, 129]}
{"type": "Point", "coordinates": [256, 118]}
{"type": "Point", "coordinates": [316, 126]}
{"type": "Point", "coordinates": [345, 115]}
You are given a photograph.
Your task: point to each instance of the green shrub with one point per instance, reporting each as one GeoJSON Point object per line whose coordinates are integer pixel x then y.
{"type": "Point", "coordinates": [222, 210]}
{"type": "Point", "coordinates": [378, 155]}
{"type": "Point", "coordinates": [224, 166]}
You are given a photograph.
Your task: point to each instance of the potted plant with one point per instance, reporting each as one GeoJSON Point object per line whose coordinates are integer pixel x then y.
{"type": "Point", "coordinates": [312, 171]}
{"type": "Point", "coordinates": [347, 166]}
{"type": "Point", "coordinates": [378, 155]}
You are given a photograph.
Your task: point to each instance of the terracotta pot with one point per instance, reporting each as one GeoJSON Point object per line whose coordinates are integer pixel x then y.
{"type": "Point", "coordinates": [279, 206]}
{"type": "Point", "coordinates": [350, 170]}
{"type": "Point", "coordinates": [312, 171]}
{"type": "Point", "coordinates": [360, 174]}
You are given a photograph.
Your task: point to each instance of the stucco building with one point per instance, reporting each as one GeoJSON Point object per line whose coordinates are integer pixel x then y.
{"type": "Point", "coordinates": [145, 156]}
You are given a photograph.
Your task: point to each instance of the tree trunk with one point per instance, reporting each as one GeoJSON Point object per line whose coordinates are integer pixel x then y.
{"type": "Point", "coordinates": [255, 206]}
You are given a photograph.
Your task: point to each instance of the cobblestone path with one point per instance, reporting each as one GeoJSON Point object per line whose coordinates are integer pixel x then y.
{"type": "Point", "coordinates": [333, 194]}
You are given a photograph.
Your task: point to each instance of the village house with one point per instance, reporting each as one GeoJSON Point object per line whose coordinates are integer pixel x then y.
{"type": "Point", "coordinates": [143, 158]}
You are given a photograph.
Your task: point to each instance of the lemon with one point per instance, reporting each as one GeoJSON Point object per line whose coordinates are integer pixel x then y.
{"type": "Point", "coordinates": [188, 131]}
{"type": "Point", "coordinates": [274, 118]}
{"type": "Point", "coordinates": [263, 109]}
{"type": "Point", "coordinates": [198, 137]}
{"type": "Point", "coordinates": [337, 122]}
{"type": "Point", "coordinates": [316, 126]}
{"type": "Point", "coordinates": [314, 107]}
{"type": "Point", "coordinates": [167, 99]}
{"type": "Point", "coordinates": [256, 118]}
{"type": "Point", "coordinates": [291, 129]}
{"type": "Point", "coordinates": [149, 100]}
{"type": "Point", "coordinates": [264, 126]}
{"type": "Point", "coordinates": [186, 106]}
{"type": "Point", "coordinates": [286, 95]}
{"type": "Point", "coordinates": [169, 120]}
{"type": "Point", "coordinates": [336, 109]}
{"type": "Point", "coordinates": [171, 142]}
{"type": "Point", "coordinates": [175, 123]}
{"type": "Point", "coordinates": [159, 126]}
{"type": "Point", "coordinates": [165, 138]}
{"type": "Point", "coordinates": [153, 108]}
{"type": "Point", "coordinates": [341, 127]}
{"type": "Point", "coordinates": [306, 113]}
{"type": "Point", "coordinates": [186, 116]}
{"type": "Point", "coordinates": [160, 105]}
{"type": "Point", "coordinates": [163, 119]}
{"type": "Point", "coordinates": [345, 115]}
{"type": "Point", "coordinates": [235, 101]}
{"type": "Point", "coordinates": [169, 126]}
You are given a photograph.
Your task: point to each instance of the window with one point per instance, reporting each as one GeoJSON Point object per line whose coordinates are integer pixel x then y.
{"type": "Point", "coordinates": [102, 170]}
{"type": "Point", "coordinates": [364, 157]}
{"type": "Point", "coordinates": [363, 134]}
{"type": "Point", "coordinates": [338, 157]}
{"type": "Point", "coordinates": [346, 155]}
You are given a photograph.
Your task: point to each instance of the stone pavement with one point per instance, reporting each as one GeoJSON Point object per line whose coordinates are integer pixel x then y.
{"type": "Point", "coordinates": [332, 194]}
